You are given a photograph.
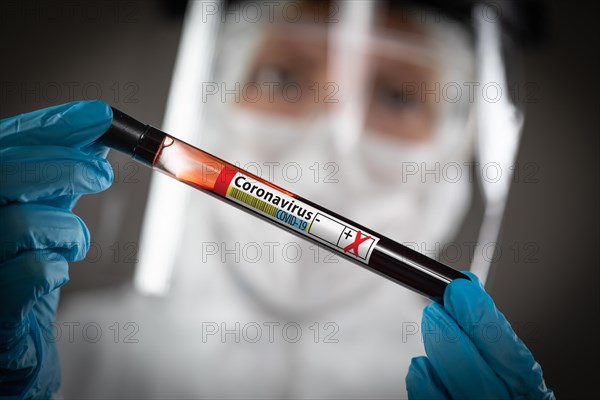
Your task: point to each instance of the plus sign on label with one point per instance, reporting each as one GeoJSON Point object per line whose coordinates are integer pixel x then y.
{"type": "Point", "coordinates": [353, 242]}
{"type": "Point", "coordinates": [356, 242]}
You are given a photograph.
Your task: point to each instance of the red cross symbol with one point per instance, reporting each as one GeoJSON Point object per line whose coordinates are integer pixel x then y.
{"type": "Point", "coordinates": [354, 245]}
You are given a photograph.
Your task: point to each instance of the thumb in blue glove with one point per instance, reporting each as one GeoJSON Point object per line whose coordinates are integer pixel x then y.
{"type": "Point", "coordinates": [48, 159]}
{"type": "Point", "coordinates": [472, 351]}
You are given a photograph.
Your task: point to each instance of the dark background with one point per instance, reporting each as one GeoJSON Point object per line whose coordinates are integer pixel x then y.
{"type": "Point", "coordinates": [546, 280]}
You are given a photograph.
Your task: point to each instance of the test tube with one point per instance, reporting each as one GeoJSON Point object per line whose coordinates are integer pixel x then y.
{"type": "Point", "coordinates": [288, 211]}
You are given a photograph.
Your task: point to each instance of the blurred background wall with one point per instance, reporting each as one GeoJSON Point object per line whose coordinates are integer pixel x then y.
{"type": "Point", "coordinates": [546, 278]}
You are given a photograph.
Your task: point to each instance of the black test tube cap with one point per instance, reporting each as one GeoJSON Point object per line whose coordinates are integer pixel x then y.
{"type": "Point", "coordinates": [130, 136]}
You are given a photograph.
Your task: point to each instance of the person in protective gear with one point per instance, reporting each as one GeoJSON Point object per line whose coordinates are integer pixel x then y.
{"type": "Point", "coordinates": [190, 343]}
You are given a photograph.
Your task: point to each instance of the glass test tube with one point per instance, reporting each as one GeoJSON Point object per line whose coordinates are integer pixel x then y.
{"type": "Point", "coordinates": [278, 206]}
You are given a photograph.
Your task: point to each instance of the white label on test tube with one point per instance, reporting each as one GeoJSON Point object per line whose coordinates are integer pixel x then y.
{"type": "Point", "coordinates": [297, 215]}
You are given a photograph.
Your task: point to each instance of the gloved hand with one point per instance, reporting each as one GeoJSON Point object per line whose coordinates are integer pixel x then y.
{"type": "Point", "coordinates": [47, 160]}
{"type": "Point", "coordinates": [472, 351]}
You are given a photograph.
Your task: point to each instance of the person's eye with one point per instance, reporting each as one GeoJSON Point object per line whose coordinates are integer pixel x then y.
{"type": "Point", "coordinates": [275, 75]}
{"type": "Point", "coordinates": [395, 99]}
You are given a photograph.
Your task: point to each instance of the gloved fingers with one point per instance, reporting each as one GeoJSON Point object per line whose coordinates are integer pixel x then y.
{"type": "Point", "coordinates": [44, 172]}
{"type": "Point", "coordinates": [27, 277]}
{"type": "Point", "coordinates": [463, 371]}
{"type": "Point", "coordinates": [68, 201]}
{"type": "Point", "coordinates": [422, 381]}
{"type": "Point", "coordinates": [45, 310]}
{"type": "Point", "coordinates": [491, 333]}
{"type": "Point", "coordinates": [95, 149]}
{"type": "Point", "coordinates": [72, 124]}
{"type": "Point", "coordinates": [64, 202]}
{"type": "Point", "coordinates": [37, 227]}
{"type": "Point", "coordinates": [474, 278]}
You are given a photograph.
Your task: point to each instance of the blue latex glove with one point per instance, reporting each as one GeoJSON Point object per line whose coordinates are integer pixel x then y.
{"type": "Point", "coordinates": [472, 351]}
{"type": "Point", "coordinates": [47, 160]}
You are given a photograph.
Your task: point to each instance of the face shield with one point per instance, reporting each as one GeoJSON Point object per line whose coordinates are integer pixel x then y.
{"type": "Point", "coordinates": [367, 110]}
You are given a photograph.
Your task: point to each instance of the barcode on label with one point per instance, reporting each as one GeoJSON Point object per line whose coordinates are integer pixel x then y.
{"type": "Point", "coordinates": [252, 201]}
